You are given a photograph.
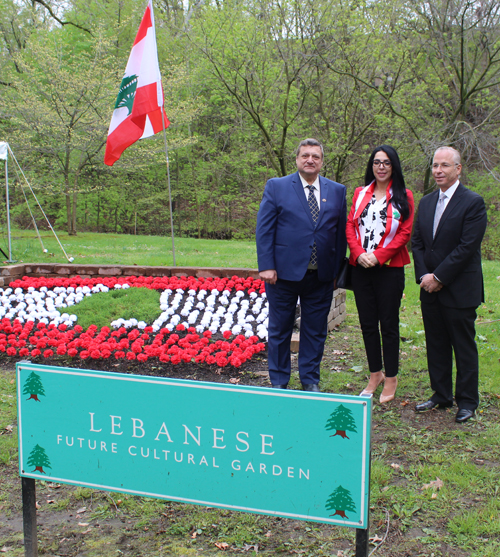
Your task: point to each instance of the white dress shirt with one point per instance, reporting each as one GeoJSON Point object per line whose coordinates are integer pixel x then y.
{"type": "Point", "coordinates": [317, 192]}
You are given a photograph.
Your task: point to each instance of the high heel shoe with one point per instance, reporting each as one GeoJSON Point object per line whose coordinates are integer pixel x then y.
{"type": "Point", "coordinates": [389, 391]}
{"type": "Point", "coordinates": [369, 391]}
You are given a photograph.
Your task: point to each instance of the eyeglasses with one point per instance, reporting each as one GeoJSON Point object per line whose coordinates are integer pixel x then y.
{"type": "Point", "coordinates": [444, 166]}
{"type": "Point", "coordinates": [387, 163]}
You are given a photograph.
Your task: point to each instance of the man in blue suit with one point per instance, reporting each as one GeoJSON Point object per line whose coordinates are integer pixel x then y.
{"type": "Point", "coordinates": [300, 245]}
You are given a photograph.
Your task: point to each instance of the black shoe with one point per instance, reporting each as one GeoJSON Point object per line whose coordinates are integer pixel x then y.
{"type": "Point", "coordinates": [423, 406]}
{"type": "Point", "coordinates": [311, 387]}
{"type": "Point", "coordinates": [429, 405]}
{"type": "Point", "coordinates": [278, 386]}
{"type": "Point", "coordinates": [463, 415]}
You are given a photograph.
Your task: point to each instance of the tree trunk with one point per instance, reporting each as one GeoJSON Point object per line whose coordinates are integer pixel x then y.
{"type": "Point", "coordinates": [68, 210]}
{"type": "Point", "coordinates": [98, 211]}
{"type": "Point", "coordinates": [73, 222]}
{"type": "Point", "coordinates": [427, 180]}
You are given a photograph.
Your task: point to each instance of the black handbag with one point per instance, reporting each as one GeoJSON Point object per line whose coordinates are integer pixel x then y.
{"type": "Point", "coordinates": [344, 276]}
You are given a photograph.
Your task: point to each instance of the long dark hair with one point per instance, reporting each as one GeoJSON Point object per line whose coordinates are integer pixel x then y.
{"type": "Point", "coordinates": [399, 197]}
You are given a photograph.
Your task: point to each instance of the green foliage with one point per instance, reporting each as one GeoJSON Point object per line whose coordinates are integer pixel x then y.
{"type": "Point", "coordinates": [102, 308]}
{"type": "Point", "coordinates": [8, 432]}
{"type": "Point", "coordinates": [244, 81]}
{"type": "Point", "coordinates": [488, 186]}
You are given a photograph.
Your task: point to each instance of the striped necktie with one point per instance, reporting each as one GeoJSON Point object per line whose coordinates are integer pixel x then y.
{"type": "Point", "coordinates": [314, 208]}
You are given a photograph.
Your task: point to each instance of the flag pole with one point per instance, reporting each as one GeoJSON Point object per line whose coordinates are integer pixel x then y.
{"type": "Point", "coordinates": [168, 182]}
{"type": "Point", "coordinates": [7, 206]}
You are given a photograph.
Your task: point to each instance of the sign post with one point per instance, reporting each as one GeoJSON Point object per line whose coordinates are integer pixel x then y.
{"type": "Point", "coordinates": [293, 454]}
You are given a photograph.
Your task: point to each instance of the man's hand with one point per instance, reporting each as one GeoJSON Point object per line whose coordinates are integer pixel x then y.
{"type": "Point", "coordinates": [430, 284]}
{"type": "Point", "coordinates": [270, 276]}
{"type": "Point", "coordinates": [367, 260]}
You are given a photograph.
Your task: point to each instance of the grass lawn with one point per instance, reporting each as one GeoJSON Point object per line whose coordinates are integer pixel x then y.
{"type": "Point", "coordinates": [435, 488]}
{"type": "Point", "coordinates": [124, 249]}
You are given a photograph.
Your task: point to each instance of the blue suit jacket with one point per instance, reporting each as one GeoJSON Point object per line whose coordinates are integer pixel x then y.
{"type": "Point", "coordinates": [286, 232]}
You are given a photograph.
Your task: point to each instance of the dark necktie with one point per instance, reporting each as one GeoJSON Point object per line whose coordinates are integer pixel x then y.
{"type": "Point", "coordinates": [314, 208]}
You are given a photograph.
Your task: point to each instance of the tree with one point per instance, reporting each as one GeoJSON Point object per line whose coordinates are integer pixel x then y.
{"type": "Point", "coordinates": [341, 419]}
{"type": "Point", "coordinates": [340, 500]}
{"type": "Point", "coordinates": [461, 41]}
{"type": "Point", "coordinates": [38, 458]}
{"type": "Point", "coordinates": [33, 387]}
{"type": "Point", "coordinates": [258, 53]}
{"type": "Point", "coordinates": [59, 105]}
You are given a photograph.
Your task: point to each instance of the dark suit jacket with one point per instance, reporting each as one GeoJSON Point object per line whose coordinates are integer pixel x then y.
{"type": "Point", "coordinates": [454, 254]}
{"type": "Point", "coordinates": [286, 232]}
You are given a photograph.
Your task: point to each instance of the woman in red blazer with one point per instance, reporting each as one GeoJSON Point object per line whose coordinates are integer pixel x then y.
{"type": "Point", "coordinates": [378, 228]}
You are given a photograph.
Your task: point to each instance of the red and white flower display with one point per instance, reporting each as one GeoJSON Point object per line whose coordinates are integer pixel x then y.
{"type": "Point", "coordinates": [193, 310]}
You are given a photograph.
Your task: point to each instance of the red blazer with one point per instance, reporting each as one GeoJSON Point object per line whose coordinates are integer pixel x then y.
{"type": "Point", "coordinates": [392, 249]}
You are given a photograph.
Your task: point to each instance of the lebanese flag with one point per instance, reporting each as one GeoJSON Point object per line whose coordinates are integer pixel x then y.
{"type": "Point", "coordinates": [139, 105]}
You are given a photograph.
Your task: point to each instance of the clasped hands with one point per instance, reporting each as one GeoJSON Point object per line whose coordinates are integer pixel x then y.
{"type": "Point", "coordinates": [367, 260]}
{"type": "Point", "coordinates": [430, 284]}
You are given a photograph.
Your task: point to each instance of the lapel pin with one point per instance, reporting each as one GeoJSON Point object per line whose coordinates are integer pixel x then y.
{"type": "Point", "coordinates": [324, 200]}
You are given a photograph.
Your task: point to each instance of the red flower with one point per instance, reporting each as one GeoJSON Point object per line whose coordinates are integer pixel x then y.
{"type": "Point", "coordinates": [104, 343]}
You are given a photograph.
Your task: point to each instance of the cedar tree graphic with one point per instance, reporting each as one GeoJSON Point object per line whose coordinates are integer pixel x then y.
{"type": "Point", "coordinates": [340, 501]}
{"type": "Point", "coordinates": [33, 387]}
{"type": "Point", "coordinates": [341, 420]}
{"type": "Point", "coordinates": [38, 458]}
{"type": "Point", "coordinates": [126, 94]}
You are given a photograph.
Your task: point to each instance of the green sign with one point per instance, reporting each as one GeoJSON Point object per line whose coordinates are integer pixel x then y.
{"type": "Point", "coordinates": [276, 452]}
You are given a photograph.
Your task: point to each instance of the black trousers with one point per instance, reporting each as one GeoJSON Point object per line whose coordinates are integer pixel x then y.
{"type": "Point", "coordinates": [378, 292]}
{"type": "Point", "coordinates": [451, 330]}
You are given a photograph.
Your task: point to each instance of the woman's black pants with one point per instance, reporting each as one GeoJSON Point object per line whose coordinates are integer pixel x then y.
{"type": "Point", "coordinates": [378, 292]}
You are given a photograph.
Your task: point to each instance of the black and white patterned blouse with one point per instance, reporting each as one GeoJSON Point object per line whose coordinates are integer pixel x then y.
{"type": "Point", "coordinates": [372, 223]}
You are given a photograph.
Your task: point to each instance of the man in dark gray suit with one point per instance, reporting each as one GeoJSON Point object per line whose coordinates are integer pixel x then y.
{"type": "Point", "coordinates": [446, 247]}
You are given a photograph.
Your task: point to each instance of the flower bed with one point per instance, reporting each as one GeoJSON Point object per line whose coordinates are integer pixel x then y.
{"type": "Point", "coordinates": [221, 321]}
